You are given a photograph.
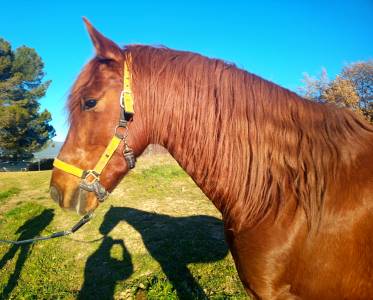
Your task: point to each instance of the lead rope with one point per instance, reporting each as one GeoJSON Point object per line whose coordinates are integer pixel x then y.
{"type": "Point", "coordinates": [86, 218]}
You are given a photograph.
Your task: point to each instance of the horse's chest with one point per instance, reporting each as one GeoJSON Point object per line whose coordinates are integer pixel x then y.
{"type": "Point", "coordinates": [266, 258]}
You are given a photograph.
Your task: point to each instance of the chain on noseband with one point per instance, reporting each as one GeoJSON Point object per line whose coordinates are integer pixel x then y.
{"type": "Point", "coordinates": [91, 178]}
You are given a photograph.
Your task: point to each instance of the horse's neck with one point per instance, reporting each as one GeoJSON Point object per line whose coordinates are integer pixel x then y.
{"type": "Point", "coordinates": [246, 152]}
{"type": "Point", "coordinates": [219, 144]}
{"type": "Point", "coordinates": [207, 151]}
{"type": "Point", "coordinates": [205, 173]}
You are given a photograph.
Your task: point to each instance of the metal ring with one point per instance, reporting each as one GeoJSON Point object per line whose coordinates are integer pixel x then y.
{"type": "Point", "coordinates": [121, 136]}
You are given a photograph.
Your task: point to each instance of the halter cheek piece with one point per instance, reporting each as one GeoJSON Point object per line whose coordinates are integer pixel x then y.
{"type": "Point", "coordinates": [91, 178]}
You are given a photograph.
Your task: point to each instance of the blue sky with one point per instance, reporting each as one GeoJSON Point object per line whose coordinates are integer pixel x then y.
{"type": "Point", "coordinates": [278, 40]}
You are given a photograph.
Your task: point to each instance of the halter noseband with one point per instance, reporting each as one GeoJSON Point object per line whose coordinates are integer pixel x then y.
{"type": "Point", "coordinates": [91, 178]}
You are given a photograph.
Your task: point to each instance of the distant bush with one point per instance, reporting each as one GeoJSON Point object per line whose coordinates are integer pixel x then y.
{"type": "Point", "coordinates": [45, 164]}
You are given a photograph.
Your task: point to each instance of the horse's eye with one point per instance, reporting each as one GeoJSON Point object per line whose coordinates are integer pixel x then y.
{"type": "Point", "coordinates": [90, 103]}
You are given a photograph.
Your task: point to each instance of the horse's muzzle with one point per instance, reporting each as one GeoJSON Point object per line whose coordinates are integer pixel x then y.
{"type": "Point", "coordinates": [56, 195]}
{"type": "Point", "coordinates": [78, 199]}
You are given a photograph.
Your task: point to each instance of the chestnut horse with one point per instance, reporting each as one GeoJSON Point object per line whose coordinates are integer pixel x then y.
{"type": "Point", "coordinates": [293, 179]}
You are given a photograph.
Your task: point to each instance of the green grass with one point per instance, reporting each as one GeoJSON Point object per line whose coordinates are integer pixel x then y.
{"type": "Point", "coordinates": [8, 193]}
{"type": "Point", "coordinates": [156, 237]}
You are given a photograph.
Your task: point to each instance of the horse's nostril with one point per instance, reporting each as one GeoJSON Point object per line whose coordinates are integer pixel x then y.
{"type": "Point", "coordinates": [55, 194]}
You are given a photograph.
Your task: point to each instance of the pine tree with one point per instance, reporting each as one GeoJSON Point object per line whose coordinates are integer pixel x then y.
{"type": "Point", "coordinates": [23, 128]}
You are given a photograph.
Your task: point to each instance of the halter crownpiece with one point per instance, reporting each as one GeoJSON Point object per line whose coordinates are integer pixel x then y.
{"type": "Point", "coordinates": [91, 178]}
{"type": "Point", "coordinates": [126, 97]}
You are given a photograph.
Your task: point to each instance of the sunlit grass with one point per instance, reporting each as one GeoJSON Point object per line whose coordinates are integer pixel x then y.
{"type": "Point", "coordinates": [8, 193]}
{"type": "Point", "coordinates": [156, 237]}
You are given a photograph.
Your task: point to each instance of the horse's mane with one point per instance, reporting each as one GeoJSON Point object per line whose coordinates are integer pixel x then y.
{"type": "Point", "coordinates": [247, 142]}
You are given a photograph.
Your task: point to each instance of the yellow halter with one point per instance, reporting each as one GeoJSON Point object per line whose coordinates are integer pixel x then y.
{"type": "Point", "coordinates": [91, 178]}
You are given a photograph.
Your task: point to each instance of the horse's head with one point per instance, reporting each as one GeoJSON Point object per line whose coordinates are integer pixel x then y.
{"type": "Point", "coordinates": [94, 108]}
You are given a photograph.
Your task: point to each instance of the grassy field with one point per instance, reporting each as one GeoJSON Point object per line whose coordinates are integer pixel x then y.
{"type": "Point", "coordinates": [156, 237]}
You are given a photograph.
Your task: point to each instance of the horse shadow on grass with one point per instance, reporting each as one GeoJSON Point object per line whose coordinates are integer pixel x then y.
{"type": "Point", "coordinates": [174, 242]}
{"type": "Point", "coordinates": [30, 229]}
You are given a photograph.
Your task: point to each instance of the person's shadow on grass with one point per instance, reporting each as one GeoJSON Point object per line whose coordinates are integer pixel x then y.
{"type": "Point", "coordinates": [174, 242]}
{"type": "Point", "coordinates": [30, 229]}
{"type": "Point", "coordinates": [102, 271]}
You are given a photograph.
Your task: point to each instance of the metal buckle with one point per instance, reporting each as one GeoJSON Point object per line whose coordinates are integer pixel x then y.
{"type": "Point", "coordinates": [91, 183]}
{"type": "Point", "coordinates": [90, 177]}
{"type": "Point", "coordinates": [121, 102]}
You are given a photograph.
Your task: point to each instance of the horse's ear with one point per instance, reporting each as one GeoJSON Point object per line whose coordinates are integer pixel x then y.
{"type": "Point", "coordinates": [105, 48]}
